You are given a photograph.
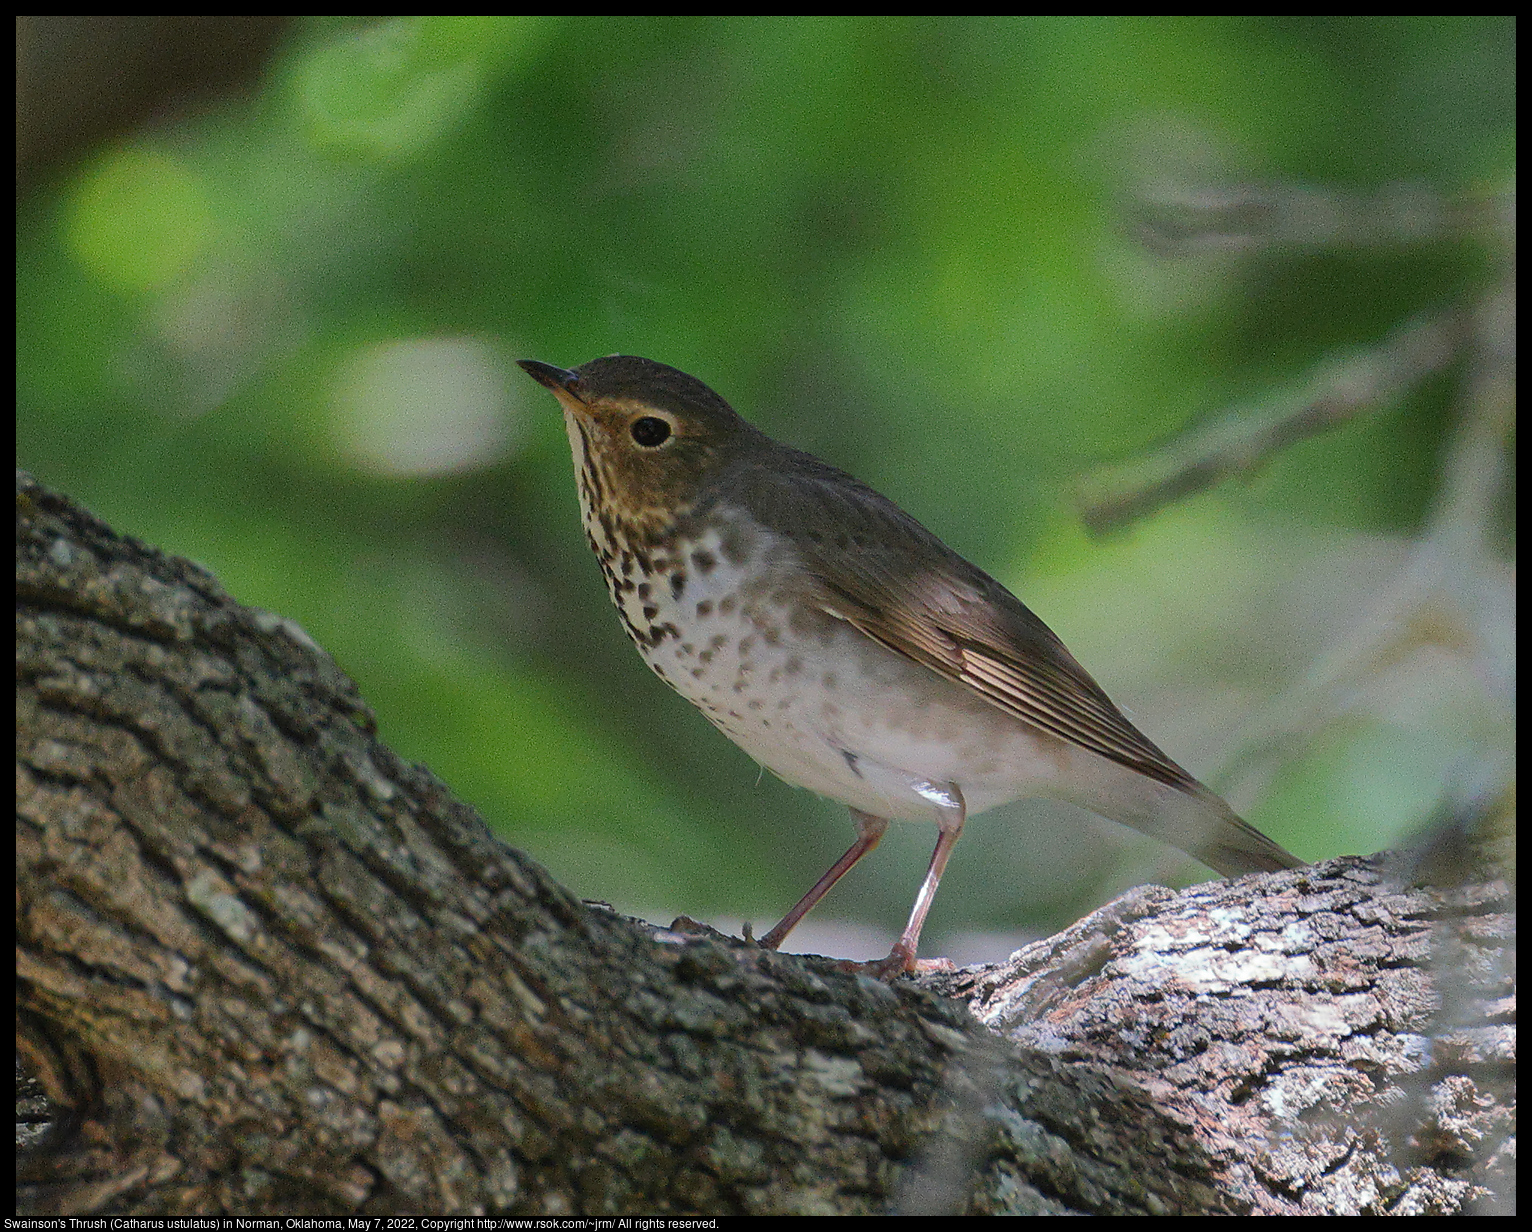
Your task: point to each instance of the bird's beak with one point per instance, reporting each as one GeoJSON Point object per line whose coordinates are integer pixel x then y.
{"type": "Point", "coordinates": [562, 381]}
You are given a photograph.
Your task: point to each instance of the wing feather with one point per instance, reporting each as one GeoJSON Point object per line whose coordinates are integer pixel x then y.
{"type": "Point", "coordinates": [877, 568]}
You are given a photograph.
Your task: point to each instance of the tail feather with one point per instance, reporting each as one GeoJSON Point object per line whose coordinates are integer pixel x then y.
{"type": "Point", "coordinates": [1212, 832]}
{"type": "Point", "coordinates": [1233, 847]}
{"type": "Point", "coordinates": [1191, 818]}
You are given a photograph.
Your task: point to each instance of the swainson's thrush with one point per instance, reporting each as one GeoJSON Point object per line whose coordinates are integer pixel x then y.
{"type": "Point", "coordinates": [843, 645]}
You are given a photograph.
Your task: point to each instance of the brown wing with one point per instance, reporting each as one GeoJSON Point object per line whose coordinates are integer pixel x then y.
{"type": "Point", "coordinates": [881, 571]}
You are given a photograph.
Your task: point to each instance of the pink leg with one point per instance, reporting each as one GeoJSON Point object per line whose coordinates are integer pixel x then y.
{"type": "Point", "coordinates": [902, 957]}
{"type": "Point", "coordinates": [869, 830]}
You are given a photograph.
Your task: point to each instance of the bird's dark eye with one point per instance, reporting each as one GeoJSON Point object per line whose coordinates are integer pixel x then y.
{"type": "Point", "coordinates": [650, 431]}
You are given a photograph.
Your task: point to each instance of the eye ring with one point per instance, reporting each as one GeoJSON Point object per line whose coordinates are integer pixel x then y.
{"type": "Point", "coordinates": [649, 431]}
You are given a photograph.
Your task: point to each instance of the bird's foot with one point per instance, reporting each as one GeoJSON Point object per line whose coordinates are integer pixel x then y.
{"type": "Point", "coordinates": [901, 960]}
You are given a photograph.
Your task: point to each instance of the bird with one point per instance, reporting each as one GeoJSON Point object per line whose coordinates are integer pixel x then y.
{"type": "Point", "coordinates": [844, 646]}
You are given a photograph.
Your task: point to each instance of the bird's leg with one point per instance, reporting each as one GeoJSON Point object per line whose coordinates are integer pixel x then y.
{"type": "Point", "coordinates": [869, 830]}
{"type": "Point", "coordinates": [951, 813]}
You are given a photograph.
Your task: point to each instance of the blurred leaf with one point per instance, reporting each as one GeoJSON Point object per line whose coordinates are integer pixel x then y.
{"type": "Point", "coordinates": [139, 219]}
{"type": "Point", "coordinates": [391, 89]}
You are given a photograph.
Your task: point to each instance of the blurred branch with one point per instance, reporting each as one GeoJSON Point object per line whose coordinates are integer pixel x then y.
{"type": "Point", "coordinates": [1181, 221]}
{"type": "Point", "coordinates": [1245, 438]}
{"type": "Point", "coordinates": [1443, 594]}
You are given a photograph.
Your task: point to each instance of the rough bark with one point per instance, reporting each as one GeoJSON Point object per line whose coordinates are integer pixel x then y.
{"type": "Point", "coordinates": [266, 966]}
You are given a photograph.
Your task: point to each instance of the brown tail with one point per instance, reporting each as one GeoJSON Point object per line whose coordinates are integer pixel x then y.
{"type": "Point", "coordinates": [1230, 845]}
{"type": "Point", "coordinates": [1185, 814]}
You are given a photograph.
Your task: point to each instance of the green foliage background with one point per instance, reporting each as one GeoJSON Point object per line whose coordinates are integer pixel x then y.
{"type": "Point", "coordinates": [278, 338]}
